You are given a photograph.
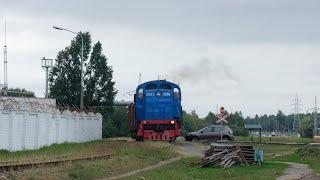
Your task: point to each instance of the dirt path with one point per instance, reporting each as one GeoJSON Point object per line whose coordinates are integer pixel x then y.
{"type": "Point", "coordinates": [296, 171]}
{"type": "Point", "coordinates": [186, 149]}
{"type": "Point", "coordinates": [131, 173]}
{"type": "Point", "coordinates": [190, 149]}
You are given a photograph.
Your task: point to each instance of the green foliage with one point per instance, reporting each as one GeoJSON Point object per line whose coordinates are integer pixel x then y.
{"type": "Point", "coordinates": [65, 75]}
{"type": "Point", "coordinates": [279, 122]}
{"type": "Point", "coordinates": [116, 124]}
{"type": "Point", "coordinates": [192, 122]}
{"type": "Point", "coordinates": [100, 89]}
{"type": "Point", "coordinates": [306, 155]}
{"type": "Point", "coordinates": [236, 123]}
{"type": "Point", "coordinates": [306, 127]}
{"type": "Point", "coordinates": [17, 92]}
{"type": "Point", "coordinates": [211, 118]}
{"type": "Point", "coordinates": [309, 152]}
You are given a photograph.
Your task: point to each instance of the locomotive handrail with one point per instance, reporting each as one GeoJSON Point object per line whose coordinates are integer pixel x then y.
{"type": "Point", "coordinates": [178, 110]}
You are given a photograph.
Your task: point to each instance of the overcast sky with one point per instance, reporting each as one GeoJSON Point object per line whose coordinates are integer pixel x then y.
{"type": "Point", "coordinates": [252, 56]}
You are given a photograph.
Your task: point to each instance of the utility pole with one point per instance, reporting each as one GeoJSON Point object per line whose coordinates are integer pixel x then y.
{"type": "Point", "coordinates": [46, 64]}
{"type": "Point", "coordinates": [296, 117]}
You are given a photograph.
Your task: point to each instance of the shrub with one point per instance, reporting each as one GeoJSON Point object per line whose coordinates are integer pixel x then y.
{"type": "Point", "coordinates": [309, 152]}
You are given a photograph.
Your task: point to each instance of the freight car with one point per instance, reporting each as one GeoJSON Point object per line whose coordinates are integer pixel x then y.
{"type": "Point", "coordinates": [156, 113]}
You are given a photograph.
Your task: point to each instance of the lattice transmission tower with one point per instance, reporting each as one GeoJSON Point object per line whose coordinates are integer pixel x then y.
{"type": "Point", "coordinates": [296, 117]}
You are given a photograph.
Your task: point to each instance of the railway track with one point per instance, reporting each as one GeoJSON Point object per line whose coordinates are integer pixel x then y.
{"type": "Point", "coordinates": [273, 143]}
{"type": "Point", "coordinates": [18, 166]}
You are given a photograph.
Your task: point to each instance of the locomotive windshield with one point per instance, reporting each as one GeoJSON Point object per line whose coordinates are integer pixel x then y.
{"type": "Point", "coordinates": [151, 87]}
{"type": "Point", "coordinates": [159, 86]}
{"type": "Point", "coordinates": [165, 86]}
{"type": "Point", "coordinates": [140, 93]}
{"type": "Point", "coordinates": [176, 93]}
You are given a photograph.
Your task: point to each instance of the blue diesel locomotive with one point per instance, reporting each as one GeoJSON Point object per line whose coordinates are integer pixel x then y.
{"type": "Point", "coordinates": [156, 113]}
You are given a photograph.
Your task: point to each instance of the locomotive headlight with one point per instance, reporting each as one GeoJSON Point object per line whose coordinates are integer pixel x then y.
{"type": "Point", "coordinates": [172, 122]}
{"type": "Point", "coordinates": [158, 94]}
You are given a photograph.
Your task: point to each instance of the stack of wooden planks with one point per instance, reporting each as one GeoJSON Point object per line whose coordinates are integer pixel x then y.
{"type": "Point", "coordinates": [225, 156]}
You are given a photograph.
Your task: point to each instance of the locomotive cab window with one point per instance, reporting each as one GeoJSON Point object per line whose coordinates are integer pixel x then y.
{"type": "Point", "coordinates": [140, 93]}
{"type": "Point", "coordinates": [151, 87]}
{"type": "Point", "coordinates": [165, 86]}
{"type": "Point", "coordinates": [176, 93]}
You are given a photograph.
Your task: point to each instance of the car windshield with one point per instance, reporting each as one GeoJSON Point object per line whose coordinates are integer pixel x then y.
{"type": "Point", "coordinates": [206, 129]}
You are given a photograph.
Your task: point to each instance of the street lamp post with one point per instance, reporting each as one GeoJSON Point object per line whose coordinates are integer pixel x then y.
{"type": "Point", "coordinates": [81, 88]}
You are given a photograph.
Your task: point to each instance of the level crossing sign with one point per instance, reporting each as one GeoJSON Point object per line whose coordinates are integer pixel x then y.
{"type": "Point", "coordinates": [222, 116]}
{"type": "Point", "coordinates": [221, 119]}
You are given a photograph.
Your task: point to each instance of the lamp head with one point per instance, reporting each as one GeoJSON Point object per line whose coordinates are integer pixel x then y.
{"type": "Point", "coordinates": [58, 28]}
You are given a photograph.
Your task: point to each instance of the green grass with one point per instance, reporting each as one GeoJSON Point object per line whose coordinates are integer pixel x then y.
{"type": "Point", "coordinates": [271, 151]}
{"type": "Point", "coordinates": [291, 139]}
{"type": "Point", "coordinates": [131, 155]}
{"type": "Point", "coordinates": [313, 163]}
{"type": "Point", "coordinates": [306, 155]}
{"type": "Point", "coordinates": [183, 169]}
{"type": "Point", "coordinates": [53, 151]}
{"type": "Point", "coordinates": [126, 156]}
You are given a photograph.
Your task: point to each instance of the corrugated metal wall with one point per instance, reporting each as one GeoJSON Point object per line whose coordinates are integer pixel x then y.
{"type": "Point", "coordinates": [25, 129]}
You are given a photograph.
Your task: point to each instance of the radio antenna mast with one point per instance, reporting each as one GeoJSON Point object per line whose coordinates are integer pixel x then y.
{"type": "Point", "coordinates": [5, 60]}
{"type": "Point", "coordinates": [140, 79]}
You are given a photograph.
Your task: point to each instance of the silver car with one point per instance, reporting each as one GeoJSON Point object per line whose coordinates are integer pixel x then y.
{"type": "Point", "coordinates": [213, 132]}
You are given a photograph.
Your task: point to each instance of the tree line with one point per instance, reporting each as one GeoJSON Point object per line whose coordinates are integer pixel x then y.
{"type": "Point", "coordinates": [279, 123]}
{"type": "Point", "coordinates": [284, 123]}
